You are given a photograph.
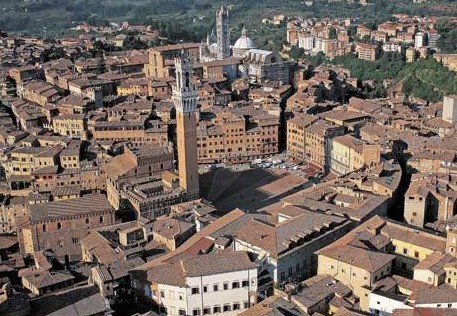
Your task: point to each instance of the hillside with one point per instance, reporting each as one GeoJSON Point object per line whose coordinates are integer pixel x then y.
{"type": "Point", "coordinates": [54, 17]}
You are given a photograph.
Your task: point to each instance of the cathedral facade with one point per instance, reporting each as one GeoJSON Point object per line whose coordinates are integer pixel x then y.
{"type": "Point", "coordinates": [258, 66]}
{"type": "Point", "coordinates": [217, 47]}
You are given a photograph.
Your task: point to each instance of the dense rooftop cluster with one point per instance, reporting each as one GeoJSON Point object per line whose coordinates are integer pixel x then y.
{"type": "Point", "coordinates": [201, 178]}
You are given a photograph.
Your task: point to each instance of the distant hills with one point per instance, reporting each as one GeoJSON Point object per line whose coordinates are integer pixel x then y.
{"type": "Point", "coordinates": [54, 17]}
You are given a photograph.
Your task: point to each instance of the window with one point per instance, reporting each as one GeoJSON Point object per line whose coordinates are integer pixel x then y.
{"type": "Point", "coordinates": [75, 240]}
{"type": "Point", "coordinates": [225, 286]}
{"type": "Point", "coordinates": [416, 254]}
{"type": "Point", "coordinates": [215, 287]}
{"type": "Point", "coordinates": [236, 306]}
{"type": "Point", "coordinates": [59, 226]}
{"type": "Point", "coordinates": [87, 221]}
{"type": "Point", "coordinates": [342, 271]}
{"type": "Point", "coordinates": [196, 312]}
{"type": "Point", "coordinates": [205, 288]}
{"type": "Point", "coordinates": [245, 283]}
{"type": "Point", "coordinates": [332, 267]}
{"type": "Point", "coordinates": [227, 308]}
{"type": "Point", "coordinates": [101, 219]}
{"type": "Point", "coordinates": [283, 275]}
{"type": "Point", "coordinates": [405, 251]}
{"type": "Point", "coordinates": [44, 228]}
{"type": "Point", "coordinates": [429, 279]}
{"type": "Point", "coordinates": [449, 305]}
{"type": "Point", "coordinates": [206, 310]}
{"type": "Point", "coordinates": [235, 285]}
{"type": "Point", "coordinates": [182, 312]}
{"type": "Point", "coordinates": [162, 294]}
{"type": "Point", "coordinates": [181, 296]}
{"type": "Point", "coordinates": [195, 290]}
{"type": "Point", "coordinates": [246, 304]}
{"type": "Point", "coordinates": [216, 309]}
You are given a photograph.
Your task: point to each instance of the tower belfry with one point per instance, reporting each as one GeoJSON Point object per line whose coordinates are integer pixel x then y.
{"type": "Point", "coordinates": [185, 101]}
{"type": "Point", "coordinates": [223, 33]}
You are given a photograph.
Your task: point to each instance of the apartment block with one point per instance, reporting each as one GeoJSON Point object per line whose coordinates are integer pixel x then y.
{"type": "Point", "coordinates": [221, 282]}
{"type": "Point", "coordinates": [350, 154]}
{"type": "Point", "coordinates": [367, 51]}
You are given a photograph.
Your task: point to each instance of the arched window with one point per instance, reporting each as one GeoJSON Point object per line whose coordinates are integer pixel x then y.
{"type": "Point", "coordinates": [187, 79]}
{"type": "Point", "coordinates": [44, 228]}
{"type": "Point", "coordinates": [59, 226]}
{"type": "Point", "coordinates": [101, 219]}
{"type": "Point", "coordinates": [87, 221]}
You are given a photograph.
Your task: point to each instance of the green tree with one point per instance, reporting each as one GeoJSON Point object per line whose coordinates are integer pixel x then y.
{"type": "Point", "coordinates": [332, 34]}
{"type": "Point", "coordinates": [447, 43]}
{"type": "Point", "coordinates": [133, 42]}
{"type": "Point", "coordinates": [296, 53]}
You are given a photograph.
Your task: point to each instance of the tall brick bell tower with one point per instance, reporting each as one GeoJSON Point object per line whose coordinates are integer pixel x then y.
{"type": "Point", "coordinates": [185, 101]}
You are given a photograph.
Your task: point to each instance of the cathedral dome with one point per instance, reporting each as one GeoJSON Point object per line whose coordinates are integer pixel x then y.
{"type": "Point", "coordinates": [244, 42]}
{"type": "Point", "coordinates": [242, 45]}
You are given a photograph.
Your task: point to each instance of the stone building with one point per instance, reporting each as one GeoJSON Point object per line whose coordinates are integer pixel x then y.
{"type": "Point", "coordinates": [39, 92]}
{"type": "Point", "coordinates": [74, 125]}
{"type": "Point", "coordinates": [430, 198]}
{"type": "Point", "coordinates": [161, 58]}
{"type": "Point", "coordinates": [296, 136]}
{"type": "Point", "coordinates": [220, 282]}
{"type": "Point", "coordinates": [136, 129]}
{"type": "Point", "coordinates": [285, 241]}
{"type": "Point", "coordinates": [172, 232]}
{"type": "Point", "coordinates": [262, 65]}
{"type": "Point", "coordinates": [450, 109]}
{"type": "Point", "coordinates": [132, 166]}
{"type": "Point", "coordinates": [318, 142]}
{"type": "Point", "coordinates": [238, 135]}
{"type": "Point", "coordinates": [350, 154]}
{"type": "Point", "coordinates": [366, 257]}
{"type": "Point", "coordinates": [367, 51]}
{"type": "Point", "coordinates": [61, 225]}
